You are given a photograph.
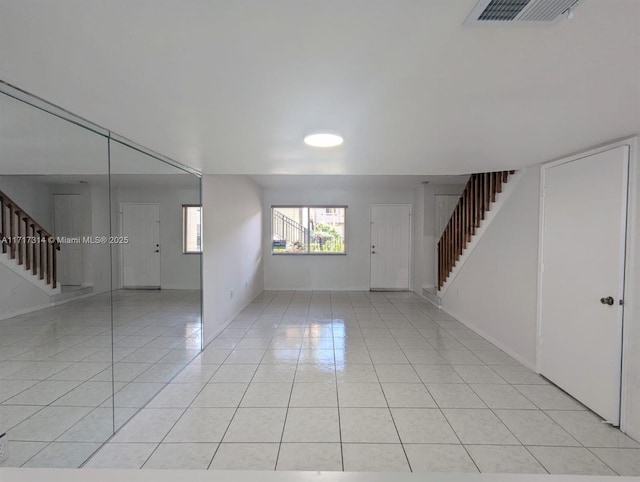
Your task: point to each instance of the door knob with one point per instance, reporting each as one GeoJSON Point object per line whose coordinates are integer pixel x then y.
{"type": "Point", "coordinates": [607, 301]}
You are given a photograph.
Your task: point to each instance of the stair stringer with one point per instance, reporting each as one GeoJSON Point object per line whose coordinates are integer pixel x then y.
{"type": "Point", "coordinates": [494, 209]}
{"type": "Point", "coordinates": [27, 275]}
{"type": "Point", "coordinates": [432, 296]}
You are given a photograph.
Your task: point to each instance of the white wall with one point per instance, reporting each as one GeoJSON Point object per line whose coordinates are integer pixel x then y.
{"type": "Point", "coordinates": [335, 272]}
{"type": "Point", "coordinates": [99, 254]}
{"type": "Point", "coordinates": [504, 309]}
{"type": "Point", "coordinates": [177, 270]}
{"type": "Point", "coordinates": [418, 239]}
{"type": "Point", "coordinates": [495, 291]}
{"type": "Point", "coordinates": [18, 295]}
{"type": "Point", "coordinates": [232, 248]}
{"type": "Point", "coordinates": [36, 198]}
{"type": "Point", "coordinates": [429, 240]}
{"type": "Point", "coordinates": [32, 196]}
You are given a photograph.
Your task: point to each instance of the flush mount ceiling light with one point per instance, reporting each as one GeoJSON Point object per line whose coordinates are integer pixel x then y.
{"type": "Point", "coordinates": [323, 139]}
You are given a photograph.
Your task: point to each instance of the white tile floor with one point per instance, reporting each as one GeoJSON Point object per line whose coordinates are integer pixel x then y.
{"type": "Point", "coordinates": [362, 382]}
{"type": "Point", "coordinates": [56, 376]}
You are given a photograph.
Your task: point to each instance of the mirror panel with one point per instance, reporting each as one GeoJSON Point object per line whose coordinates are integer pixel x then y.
{"type": "Point", "coordinates": [56, 383]}
{"type": "Point", "coordinates": [100, 302]}
{"type": "Point", "coordinates": [156, 285]}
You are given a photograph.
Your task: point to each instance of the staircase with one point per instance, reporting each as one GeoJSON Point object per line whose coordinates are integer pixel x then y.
{"type": "Point", "coordinates": [27, 248]}
{"type": "Point", "coordinates": [475, 202]}
{"type": "Point", "coordinates": [289, 230]}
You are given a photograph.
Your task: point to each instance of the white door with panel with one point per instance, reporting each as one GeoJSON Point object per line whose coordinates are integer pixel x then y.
{"type": "Point", "coordinates": [582, 277]}
{"type": "Point", "coordinates": [141, 251]}
{"type": "Point", "coordinates": [67, 223]}
{"type": "Point", "coordinates": [390, 246]}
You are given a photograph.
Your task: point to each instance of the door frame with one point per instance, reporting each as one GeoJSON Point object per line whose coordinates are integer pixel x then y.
{"type": "Point", "coordinates": [121, 246]}
{"type": "Point", "coordinates": [629, 324]}
{"type": "Point", "coordinates": [83, 281]}
{"type": "Point", "coordinates": [410, 284]}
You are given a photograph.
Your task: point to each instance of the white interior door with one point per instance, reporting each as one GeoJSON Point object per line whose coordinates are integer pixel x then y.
{"type": "Point", "coordinates": [141, 254]}
{"type": "Point", "coordinates": [583, 239]}
{"type": "Point", "coordinates": [390, 246]}
{"type": "Point", "coordinates": [67, 220]}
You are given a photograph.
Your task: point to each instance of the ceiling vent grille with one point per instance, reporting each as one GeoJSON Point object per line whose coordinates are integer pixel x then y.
{"type": "Point", "coordinates": [519, 12]}
{"type": "Point", "coordinates": [503, 10]}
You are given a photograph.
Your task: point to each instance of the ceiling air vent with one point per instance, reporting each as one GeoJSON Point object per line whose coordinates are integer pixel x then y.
{"type": "Point", "coordinates": [519, 12]}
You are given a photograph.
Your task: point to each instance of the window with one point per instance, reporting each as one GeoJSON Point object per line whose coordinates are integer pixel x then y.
{"type": "Point", "coordinates": [308, 229]}
{"type": "Point", "coordinates": [192, 229]}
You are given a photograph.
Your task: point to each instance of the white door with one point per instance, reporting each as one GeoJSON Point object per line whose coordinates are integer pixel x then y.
{"type": "Point", "coordinates": [67, 221]}
{"type": "Point", "coordinates": [583, 239]}
{"type": "Point", "coordinates": [390, 246]}
{"type": "Point", "coordinates": [141, 252]}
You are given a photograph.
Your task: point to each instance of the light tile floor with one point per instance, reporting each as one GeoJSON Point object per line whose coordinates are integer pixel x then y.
{"type": "Point", "coordinates": [362, 381]}
{"type": "Point", "coordinates": [56, 375]}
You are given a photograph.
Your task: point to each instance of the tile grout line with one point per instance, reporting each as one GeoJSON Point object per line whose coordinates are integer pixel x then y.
{"type": "Point", "coordinates": [104, 444]}
{"type": "Point", "coordinates": [452, 429]}
{"type": "Point", "coordinates": [402, 304]}
{"type": "Point", "coordinates": [395, 426]}
{"type": "Point", "coordinates": [335, 366]}
{"type": "Point", "coordinates": [600, 459]}
{"type": "Point", "coordinates": [284, 425]}
{"type": "Point", "coordinates": [73, 363]}
{"type": "Point", "coordinates": [243, 394]}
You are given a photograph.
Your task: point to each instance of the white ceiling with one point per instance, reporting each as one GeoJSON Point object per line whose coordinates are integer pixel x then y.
{"type": "Point", "coordinates": [116, 181]}
{"type": "Point", "coordinates": [232, 86]}
{"type": "Point", "coordinates": [351, 182]}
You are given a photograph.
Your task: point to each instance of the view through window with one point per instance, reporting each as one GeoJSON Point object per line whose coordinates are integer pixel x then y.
{"type": "Point", "coordinates": [308, 229]}
{"type": "Point", "coordinates": [192, 227]}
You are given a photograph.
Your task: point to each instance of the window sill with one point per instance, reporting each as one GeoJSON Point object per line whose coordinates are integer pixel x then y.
{"type": "Point", "coordinates": [308, 254]}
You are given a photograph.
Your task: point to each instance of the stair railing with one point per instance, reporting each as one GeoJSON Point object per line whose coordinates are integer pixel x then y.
{"type": "Point", "coordinates": [475, 201]}
{"type": "Point", "coordinates": [25, 239]}
{"type": "Point", "coordinates": [288, 229]}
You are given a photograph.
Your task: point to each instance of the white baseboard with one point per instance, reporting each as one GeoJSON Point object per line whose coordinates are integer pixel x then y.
{"type": "Point", "coordinates": [27, 275]}
{"type": "Point", "coordinates": [180, 287]}
{"type": "Point", "coordinates": [226, 323]}
{"type": "Point", "coordinates": [25, 311]}
{"type": "Point", "coordinates": [431, 295]}
{"type": "Point", "coordinates": [491, 339]}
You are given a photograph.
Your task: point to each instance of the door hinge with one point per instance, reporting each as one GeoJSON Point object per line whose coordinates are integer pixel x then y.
{"type": "Point", "coordinates": [621, 303]}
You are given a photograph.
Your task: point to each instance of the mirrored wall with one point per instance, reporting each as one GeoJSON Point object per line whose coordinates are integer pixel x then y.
{"type": "Point", "coordinates": [100, 283]}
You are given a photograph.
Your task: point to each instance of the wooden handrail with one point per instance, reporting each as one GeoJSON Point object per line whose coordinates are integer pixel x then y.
{"type": "Point", "coordinates": [24, 238]}
{"type": "Point", "coordinates": [476, 199]}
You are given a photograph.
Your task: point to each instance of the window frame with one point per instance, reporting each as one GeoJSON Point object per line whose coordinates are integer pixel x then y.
{"type": "Point", "coordinates": [185, 208]}
{"type": "Point", "coordinates": [309, 253]}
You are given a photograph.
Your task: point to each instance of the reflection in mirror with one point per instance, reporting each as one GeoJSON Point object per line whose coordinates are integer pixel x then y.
{"type": "Point", "coordinates": [156, 297]}
{"type": "Point", "coordinates": [55, 313]}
